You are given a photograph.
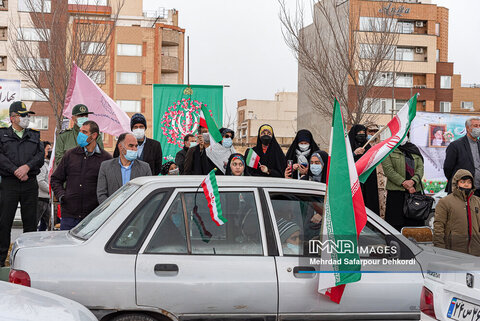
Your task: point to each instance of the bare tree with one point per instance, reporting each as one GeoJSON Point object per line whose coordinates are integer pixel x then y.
{"type": "Point", "coordinates": [338, 59]}
{"type": "Point", "coordinates": [61, 32]}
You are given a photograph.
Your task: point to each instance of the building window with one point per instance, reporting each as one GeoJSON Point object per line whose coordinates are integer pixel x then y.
{"type": "Point", "coordinates": [467, 105]}
{"type": "Point", "coordinates": [405, 54]}
{"type": "Point", "coordinates": [445, 82]}
{"type": "Point", "coordinates": [437, 29]}
{"type": "Point", "coordinates": [38, 122]}
{"type": "Point", "coordinates": [98, 76]}
{"type": "Point", "coordinates": [34, 94]}
{"type": "Point", "coordinates": [129, 50]}
{"type": "Point", "coordinates": [93, 48]}
{"type": "Point", "coordinates": [405, 27]}
{"type": "Point", "coordinates": [3, 63]}
{"type": "Point", "coordinates": [130, 106]}
{"type": "Point", "coordinates": [89, 2]}
{"type": "Point", "coordinates": [3, 33]}
{"type": "Point", "coordinates": [129, 78]}
{"type": "Point", "coordinates": [377, 24]}
{"type": "Point", "coordinates": [438, 55]}
{"type": "Point", "coordinates": [35, 6]}
{"type": "Point", "coordinates": [33, 64]}
{"type": "Point", "coordinates": [445, 106]}
{"type": "Point", "coordinates": [3, 5]}
{"type": "Point", "coordinates": [33, 34]}
{"type": "Point", "coordinates": [404, 80]}
{"type": "Point", "coordinates": [382, 79]}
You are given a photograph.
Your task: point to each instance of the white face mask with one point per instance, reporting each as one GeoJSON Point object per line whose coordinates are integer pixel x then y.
{"type": "Point", "coordinates": [303, 147]}
{"type": "Point", "coordinates": [139, 133]}
{"type": "Point", "coordinates": [24, 122]}
{"type": "Point", "coordinates": [476, 132]}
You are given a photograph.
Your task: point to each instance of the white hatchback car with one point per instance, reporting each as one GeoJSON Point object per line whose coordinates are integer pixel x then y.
{"type": "Point", "coordinates": [21, 303]}
{"type": "Point", "coordinates": [148, 253]}
{"type": "Point", "coordinates": [451, 292]}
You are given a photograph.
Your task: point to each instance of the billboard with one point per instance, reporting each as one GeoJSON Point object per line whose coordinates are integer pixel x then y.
{"type": "Point", "coordinates": [9, 92]}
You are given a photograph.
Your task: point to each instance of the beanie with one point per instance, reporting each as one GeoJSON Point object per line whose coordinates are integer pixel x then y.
{"type": "Point", "coordinates": [138, 119]}
{"type": "Point", "coordinates": [286, 229]}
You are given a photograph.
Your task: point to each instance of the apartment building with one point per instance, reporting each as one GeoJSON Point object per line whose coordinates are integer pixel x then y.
{"type": "Point", "coordinates": [419, 61]}
{"type": "Point", "coordinates": [280, 113]}
{"type": "Point", "coordinates": [147, 48]}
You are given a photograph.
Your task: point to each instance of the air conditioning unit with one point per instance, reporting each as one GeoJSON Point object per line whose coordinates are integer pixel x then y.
{"type": "Point", "coordinates": [419, 24]}
{"type": "Point", "coordinates": [419, 50]}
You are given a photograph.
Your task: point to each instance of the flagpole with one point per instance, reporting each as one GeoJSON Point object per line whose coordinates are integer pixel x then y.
{"type": "Point", "coordinates": [188, 61]}
{"type": "Point", "coordinates": [375, 136]}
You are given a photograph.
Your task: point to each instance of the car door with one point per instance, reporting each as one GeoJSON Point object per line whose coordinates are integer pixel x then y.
{"type": "Point", "coordinates": [193, 268]}
{"type": "Point", "coordinates": [383, 295]}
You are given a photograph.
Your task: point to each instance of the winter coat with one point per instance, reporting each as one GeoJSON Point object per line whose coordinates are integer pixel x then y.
{"type": "Point", "coordinates": [451, 225]}
{"type": "Point", "coordinates": [394, 169]}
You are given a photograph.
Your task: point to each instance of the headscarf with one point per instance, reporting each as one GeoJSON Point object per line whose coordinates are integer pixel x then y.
{"type": "Point", "coordinates": [166, 168]}
{"type": "Point", "coordinates": [323, 157]}
{"type": "Point", "coordinates": [302, 135]}
{"type": "Point", "coordinates": [409, 149]}
{"type": "Point", "coordinates": [274, 158]}
{"type": "Point", "coordinates": [230, 160]}
{"type": "Point", "coordinates": [353, 133]}
{"type": "Point", "coordinates": [218, 154]}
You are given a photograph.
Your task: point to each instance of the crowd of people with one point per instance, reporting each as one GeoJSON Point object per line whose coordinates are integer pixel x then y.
{"type": "Point", "coordinates": [86, 175]}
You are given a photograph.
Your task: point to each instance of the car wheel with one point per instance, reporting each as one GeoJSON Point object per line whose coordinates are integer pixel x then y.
{"type": "Point", "coordinates": [134, 317]}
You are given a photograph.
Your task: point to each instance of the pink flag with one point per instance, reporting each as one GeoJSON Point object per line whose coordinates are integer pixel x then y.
{"type": "Point", "coordinates": [83, 90]}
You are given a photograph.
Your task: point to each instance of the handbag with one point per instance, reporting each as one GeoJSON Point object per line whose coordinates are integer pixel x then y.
{"type": "Point", "coordinates": [417, 206]}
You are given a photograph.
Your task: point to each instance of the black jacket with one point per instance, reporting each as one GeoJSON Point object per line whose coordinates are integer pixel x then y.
{"type": "Point", "coordinates": [16, 151]}
{"type": "Point", "coordinates": [80, 173]}
{"type": "Point", "coordinates": [180, 159]}
{"type": "Point", "coordinates": [459, 156]}
{"type": "Point", "coordinates": [152, 154]}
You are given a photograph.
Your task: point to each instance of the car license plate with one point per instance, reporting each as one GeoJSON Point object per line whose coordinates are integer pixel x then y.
{"type": "Point", "coordinates": [463, 311]}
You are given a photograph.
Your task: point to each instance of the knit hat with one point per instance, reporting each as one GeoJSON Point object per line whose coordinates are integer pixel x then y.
{"type": "Point", "coordinates": [138, 119]}
{"type": "Point", "coordinates": [286, 229]}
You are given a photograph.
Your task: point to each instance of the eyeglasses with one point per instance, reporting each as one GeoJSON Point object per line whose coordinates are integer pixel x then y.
{"type": "Point", "coordinates": [227, 136]}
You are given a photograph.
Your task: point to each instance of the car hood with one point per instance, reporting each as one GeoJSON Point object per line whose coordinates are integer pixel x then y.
{"type": "Point", "coordinates": [22, 303]}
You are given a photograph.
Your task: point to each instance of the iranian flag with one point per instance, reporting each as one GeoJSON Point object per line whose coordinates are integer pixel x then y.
{"type": "Point", "coordinates": [399, 127]}
{"type": "Point", "coordinates": [210, 189]}
{"type": "Point", "coordinates": [253, 160]}
{"type": "Point", "coordinates": [345, 214]}
{"type": "Point", "coordinates": [207, 121]}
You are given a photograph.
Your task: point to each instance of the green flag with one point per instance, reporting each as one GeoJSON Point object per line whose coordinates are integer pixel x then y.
{"type": "Point", "coordinates": [176, 113]}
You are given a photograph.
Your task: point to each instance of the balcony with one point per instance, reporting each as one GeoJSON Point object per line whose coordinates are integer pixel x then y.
{"type": "Point", "coordinates": [169, 64]}
{"type": "Point", "coordinates": [82, 9]}
{"type": "Point", "coordinates": [170, 37]}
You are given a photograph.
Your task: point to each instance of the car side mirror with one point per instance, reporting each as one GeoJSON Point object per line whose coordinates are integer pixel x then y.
{"type": "Point", "coordinates": [422, 234]}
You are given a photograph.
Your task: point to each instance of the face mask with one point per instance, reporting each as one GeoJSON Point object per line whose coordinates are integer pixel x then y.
{"type": "Point", "coordinates": [466, 191]}
{"type": "Point", "coordinates": [361, 138]}
{"type": "Point", "coordinates": [81, 121]}
{"type": "Point", "coordinates": [49, 155]}
{"type": "Point", "coordinates": [265, 139]}
{"type": "Point", "coordinates": [139, 133]}
{"type": "Point", "coordinates": [369, 137]}
{"type": "Point", "coordinates": [294, 248]}
{"type": "Point", "coordinates": [316, 169]}
{"type": "Point", "coordinates": [303, 147]}
{"type": "Point", "coordinates": [175, 171]}
{"type": "Point", "coordinates": [193, 144]}
{"type": "Point", "coordinates": [206, 138]}
{"type": "Point", "coordinates": [227, 142]}
{"type": "Point", "coordinates": [131, 155]}
{"type": "Point", "coordinates": [24, 122]}
{"type": "Point", "coordinates": [82, 139]}
{"type": "Point", "coordinates": [476, 132]}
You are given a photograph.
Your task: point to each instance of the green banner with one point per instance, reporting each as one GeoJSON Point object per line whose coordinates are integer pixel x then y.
{"type": "Point", "coordinates": [176, 113]}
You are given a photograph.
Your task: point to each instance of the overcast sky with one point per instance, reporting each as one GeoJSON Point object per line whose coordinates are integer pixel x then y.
{"type": "Point", "coordinates": [239, 43]}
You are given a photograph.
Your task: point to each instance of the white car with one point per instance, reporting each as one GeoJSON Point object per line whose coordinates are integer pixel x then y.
{"type": "Point", "coordinates": [451, 292]}
{"type": "Point", "coordinates": [21, 303]}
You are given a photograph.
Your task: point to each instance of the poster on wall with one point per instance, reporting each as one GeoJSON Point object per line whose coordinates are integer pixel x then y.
{"type": "Point", "coordinates": [432, 133]}
{"type": "Point", "coordinates": [176, 113]}
{"type": "Point", "coordinates": [9, 92]}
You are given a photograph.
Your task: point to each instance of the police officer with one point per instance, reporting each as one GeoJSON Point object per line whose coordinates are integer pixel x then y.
{"type": "Point", "coordinates": [67, 139]}
{"type": "Point", "coordinates": [21, 157]}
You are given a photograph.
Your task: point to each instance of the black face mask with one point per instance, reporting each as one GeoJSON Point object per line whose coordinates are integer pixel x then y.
{"type": "Point", "coordinates": [265, 139]}
{"type": "Point", "coordinates": [465, 191]}
{"type": "Point", "coordinates": [361, 138]}
{"type": "Point", "coordinates": [49, 154]}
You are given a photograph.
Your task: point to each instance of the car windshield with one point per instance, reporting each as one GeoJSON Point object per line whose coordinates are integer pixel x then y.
{"type": "Point", "coordinates": [94, 220]}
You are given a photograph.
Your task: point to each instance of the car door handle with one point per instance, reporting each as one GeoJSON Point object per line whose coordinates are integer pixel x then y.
{"type": "Point", "coordinates": [166, 268]}
{"type": "Point", "coordinates": [297, 274]}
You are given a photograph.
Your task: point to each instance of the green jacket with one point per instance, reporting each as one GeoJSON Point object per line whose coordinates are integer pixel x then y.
{"type": "Point", "coordinates": [394, 169]}
{"type": "Point", "coordinates": [67, 139]}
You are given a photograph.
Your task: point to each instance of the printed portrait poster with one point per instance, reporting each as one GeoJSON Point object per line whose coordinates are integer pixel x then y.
{"type": "Point", "coordinates": [432, 133]}
{"type": "Point", "coordinates": [9, 92]}
{"type": "Point", "coordinates": [176, 113]}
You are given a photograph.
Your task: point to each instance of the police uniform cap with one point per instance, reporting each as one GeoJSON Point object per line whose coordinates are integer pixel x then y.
{"type": "Point", "coordinates": [19, 108]}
